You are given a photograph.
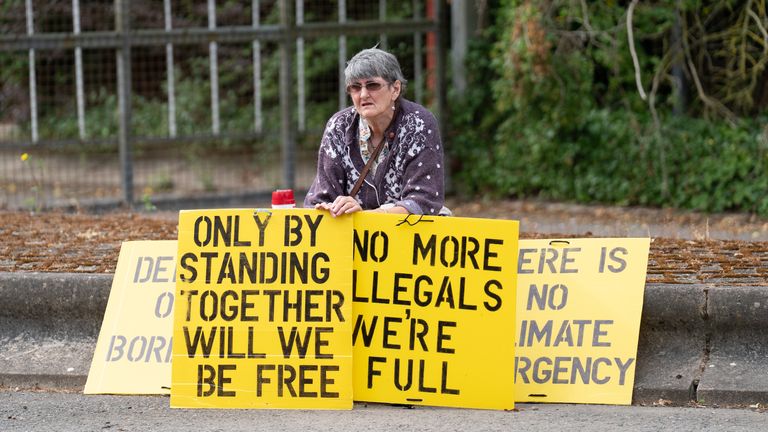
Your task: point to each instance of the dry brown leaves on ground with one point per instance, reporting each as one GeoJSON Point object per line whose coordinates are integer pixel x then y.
{"type": "Point", "coordinates": [80, 243]}
{"type": "Point", "coordinates": [84, 243]}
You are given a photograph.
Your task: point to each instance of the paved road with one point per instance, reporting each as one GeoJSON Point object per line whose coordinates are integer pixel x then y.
{"type": "Point", "coordinates": [64, 412]}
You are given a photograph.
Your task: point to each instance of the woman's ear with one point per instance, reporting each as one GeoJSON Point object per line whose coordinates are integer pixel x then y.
{"type": "Point", "coordinates": [396, 86]}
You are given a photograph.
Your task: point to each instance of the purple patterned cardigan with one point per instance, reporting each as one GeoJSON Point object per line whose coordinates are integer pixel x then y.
{"type": "Point", "coordinates": [411, 175]}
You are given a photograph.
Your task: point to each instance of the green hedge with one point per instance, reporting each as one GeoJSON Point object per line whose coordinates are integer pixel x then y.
{"type": "Point", "coordinates": [543, 118]}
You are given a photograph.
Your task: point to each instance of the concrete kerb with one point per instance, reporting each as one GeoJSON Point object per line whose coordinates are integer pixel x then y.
{"type": "Point", "coordinates": [737, 368]}
{"type": "Point", "coordinates": [697, 342]}
{"type": "Point", "coordinates": [674, 333]}
{"type": "Point", "coordinates": [703, 343]}
{"type": "Point", "coordinates": [49, 324]}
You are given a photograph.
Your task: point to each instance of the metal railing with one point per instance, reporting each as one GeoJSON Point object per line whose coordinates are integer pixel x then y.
{"type": "Point", "coordinates": [190, 99]}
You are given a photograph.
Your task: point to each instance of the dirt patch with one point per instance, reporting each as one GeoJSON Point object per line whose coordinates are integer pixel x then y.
{"type": "Point", "coordinates": [85, 243]}
{"type": "Point", "coordinates": [75, 243]}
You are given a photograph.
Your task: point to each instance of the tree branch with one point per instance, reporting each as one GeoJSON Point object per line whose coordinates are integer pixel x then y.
{"type": "Point", "coordinates": [631, 40]}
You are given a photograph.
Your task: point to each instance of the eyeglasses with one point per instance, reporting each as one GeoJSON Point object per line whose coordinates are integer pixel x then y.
{"type": "Point", "coordinates": [370, 86]}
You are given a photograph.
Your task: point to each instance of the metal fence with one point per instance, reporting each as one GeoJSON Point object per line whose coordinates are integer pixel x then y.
{"type": "Point", "coordinates": [117, 101]}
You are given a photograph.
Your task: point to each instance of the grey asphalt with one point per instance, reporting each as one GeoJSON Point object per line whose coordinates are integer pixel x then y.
{"type": "Point", "coordinates": [26, 411]}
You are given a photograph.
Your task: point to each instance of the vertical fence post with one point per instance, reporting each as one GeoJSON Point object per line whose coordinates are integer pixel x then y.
{"type": "Point", "coordinates": [79, 87]}
{"type": "Point", "coordinates": [300, 73]}
{"type": "Point", "coordinates": [258, 121]}
{"type": "Point", "coordinates": [440, 56]}
{"type": "Point", "coordinates": [383, 18]}
{"type": "Point", "coordinates": [32, 74]}
{"type": "Point", "coordinates": [418, 57]}
{"type": "Point", "coordinates": [286, 84]}
{"type": "Point", "coordinates": [463, 17]}
{"type": "Point", "coordinates": [342, 55]}
{"type": "Point", "coordinates": [169, 73]}
{"type": "Point", "coordinates": [122, 26]}
{"type": "Point", "coordinates": [440, 90]}
{"type": "Point", "coordinates": [213, 48]}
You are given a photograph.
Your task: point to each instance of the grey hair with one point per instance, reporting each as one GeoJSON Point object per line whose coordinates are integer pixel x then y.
{"type": "Point", "coordinates": [373, 62]}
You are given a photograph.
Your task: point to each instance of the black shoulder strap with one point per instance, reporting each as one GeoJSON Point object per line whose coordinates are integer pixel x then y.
{"type": "Point", "coordinates": [366, 168]}
{"type": "Point", "coordinates": [376, 152]}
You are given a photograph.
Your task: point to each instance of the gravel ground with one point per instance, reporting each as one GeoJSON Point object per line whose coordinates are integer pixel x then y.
{"type": "Point", "coordinates": [686, 247]}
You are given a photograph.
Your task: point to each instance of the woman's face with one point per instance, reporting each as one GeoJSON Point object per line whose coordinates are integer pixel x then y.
{"type": "Point", "coordinates": [373, 97]}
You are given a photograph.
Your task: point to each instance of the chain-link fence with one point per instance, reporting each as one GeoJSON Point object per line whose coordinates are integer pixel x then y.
{"type": "Point", "coordinates": [115, 101]}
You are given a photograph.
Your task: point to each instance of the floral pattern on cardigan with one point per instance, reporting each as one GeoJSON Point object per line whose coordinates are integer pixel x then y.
{"type": "Point", "coordinates": [411, 175]}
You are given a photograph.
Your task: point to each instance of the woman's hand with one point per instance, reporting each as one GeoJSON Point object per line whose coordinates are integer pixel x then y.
{"type": "Point", "coordinates": [341, 205]}
{"type": "Point", "coordinates": [390, 208]}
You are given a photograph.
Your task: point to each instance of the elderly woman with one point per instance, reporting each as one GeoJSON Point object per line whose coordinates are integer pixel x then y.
{"type": "Point", "coordinates": [384, 153]}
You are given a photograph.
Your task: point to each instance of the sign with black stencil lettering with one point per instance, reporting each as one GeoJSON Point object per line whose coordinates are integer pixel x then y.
{"type": "Point", "coordinates": [263, 310]}
{"type": "Point", "coordinates": [434, 310]}
{"type": "Point", "coordinates": [579, 308]}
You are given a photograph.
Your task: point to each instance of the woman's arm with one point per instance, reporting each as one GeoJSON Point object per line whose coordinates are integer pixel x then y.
{"type": "Point", "coordinates": [423, 190]}
{"type": "Point", "coordinates": [330, 179]}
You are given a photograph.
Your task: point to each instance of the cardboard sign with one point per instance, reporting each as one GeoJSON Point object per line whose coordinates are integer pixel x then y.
{"type": "Point", "coordinates": [434, 309]}
{"type": "Point", "coordinates": [133, 352]}
{"type": "Point", "coordinates": [263, 310]}
{"type": "Point", "coordinates": [579, 306]}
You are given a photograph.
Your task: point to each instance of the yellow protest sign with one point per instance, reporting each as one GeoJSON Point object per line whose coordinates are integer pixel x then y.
{"type": "Point", "coordinates": [263, 310]}
{"type": "Point", "coordinates": [434, 310]}
{"type": "Point", "coordinates": [133, 352]}
{"type": "Point", "coordinates": [579, 305]}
